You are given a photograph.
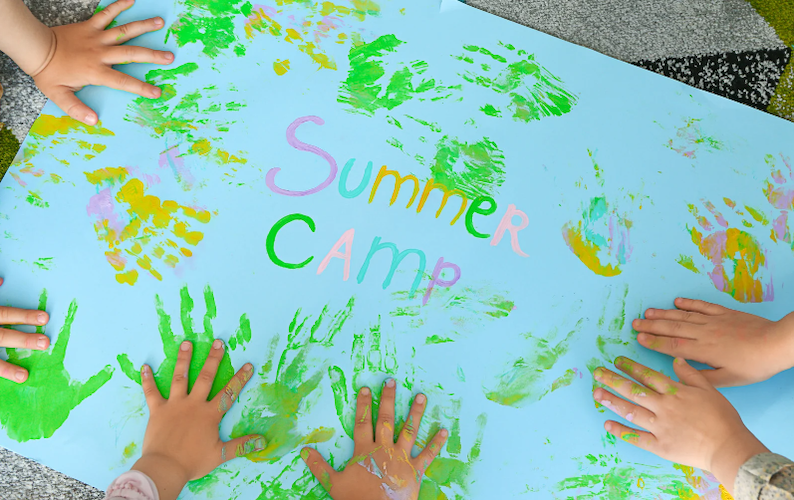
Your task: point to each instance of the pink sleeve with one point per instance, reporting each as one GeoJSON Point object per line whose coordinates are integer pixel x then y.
{"type": "Point", "coordinates": [132, 485]}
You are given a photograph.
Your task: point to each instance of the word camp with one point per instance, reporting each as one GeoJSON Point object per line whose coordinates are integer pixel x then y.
{"type": "Point", "coordinates": [483, 206]}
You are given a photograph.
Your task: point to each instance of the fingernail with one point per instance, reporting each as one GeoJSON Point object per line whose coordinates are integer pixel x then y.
{"type": "Point", "coordinates": [443, 433]}
{"type": "Point", "coordinates": [217, 344]}
{"type": "Point", "coordinates": [42, 318]}
{"type": "Point", "coordinates": [420, 399]}
{"type": "Point", "coordinates": [305, 454]}
{"type": "Point", "coordinates": [248, 367]}
{"type": "Point", "coordinates": [259, 444]}
{"type": "Point", "coordinates": [390, 383]}
{"type": "Point", "coordinates": [158, 22]}
{"type": "Point", "coordinates": [20, 376]}
{"type": "Point", "coordinates": [364, 391]}
{"type": "Point", "coordinates": [145, 371]}
{"type": "Point", "coordinates": [185, 346]}
{"type": "Point", "coordinates": [608, 427]}
{"type": "Point", "coordinates": [42, 343]}
{"type": "Point", "coordinates": [156, 93]}
{"type": "Point", "coordinates": [90, 119]}
{"type": "Point", "coordinates": [598, 373]}
{"type": "Point", "coordinates": [169, 56]}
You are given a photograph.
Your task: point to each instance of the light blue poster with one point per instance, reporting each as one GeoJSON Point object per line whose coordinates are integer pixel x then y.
{"type": "Point", "coordinates": [351, 191]}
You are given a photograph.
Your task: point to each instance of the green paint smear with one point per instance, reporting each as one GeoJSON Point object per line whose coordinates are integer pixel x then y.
{"type": "Point", "coordinates": [477, 169]}
{"type": "Point", "coordinates": [526, 379]}
{"type": "Point", "coordinates": [44, 263]}
{"type": "Point", "coordinates": [9, 145]}
{"type": "Point", "coordinates": [209, 23]}
{"type": "Point", "coordinates": [243, 334]}
{"type": "Point", "coordinates": [40, 406]}
{"type": "Point", "coordinates": [687, 262]}
{"type": "Point", "coordinates": [368, 88]}
{"type": "Point", "coordinates": [275, 405]}
{"type": "Point", "coordinates": [530, 92]}
{"type": "Point", "coordinates": [202, 343]}
{"type": "Point", "coordinates": [35, 199]}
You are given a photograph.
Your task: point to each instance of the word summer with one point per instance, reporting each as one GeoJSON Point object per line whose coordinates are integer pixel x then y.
{"type": "Point", "coordinates": [482, 205]}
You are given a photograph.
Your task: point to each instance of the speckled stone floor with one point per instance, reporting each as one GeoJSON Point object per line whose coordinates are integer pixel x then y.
{"type": "Point", "coordinates": [736, 48]}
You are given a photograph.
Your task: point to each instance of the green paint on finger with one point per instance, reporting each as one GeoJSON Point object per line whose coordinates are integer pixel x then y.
{"type": "Point", "coordinates": [40, 406]}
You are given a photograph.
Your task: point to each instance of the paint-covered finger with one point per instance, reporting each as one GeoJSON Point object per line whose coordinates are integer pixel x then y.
{"type": "Point", "coordinates": [122, 81]}
{"type": "Point", "coordinates": [127, 54]}
{"type": "Point", "coordinates": [431, 451]}
{"type": "Point", "coordinates": [104, 17]}
{"type": "Point", "coordinates": [242, 446]}
{"type": "Point", "coordinates": [362, 429]}
{"type": "Point", "coordinates": [631, 412]}
{"type": "Point", "coordinates": [226, 398]}
{"type": "Point", "coordinates": [678, 329]}
{"type": "Point", "coordinates": [411, 427]}
{"type": "Point", "coordinates": [182, 370]}
{"type": "Point", "coordinates": [12, 372]}
{"type": "Point", "coordinates": [675, 346]}
{"type": "Point", "coordinates": [700, 306]}
{"type": "Point", "coordinates": [127, 32]}
{"type": "Point", "coordinates": [16, 316]}
{"type": "Point", "coordinates": [70, 104]}
{"type": "Point", "coordinates": [649, 378]}
{"type": "Point", "coordinates": [630, 390]}
{"type": "Point", "coordinates": [384, 429]}
{"type": "Point", "coordinates": [638, 438]}
{"type": "Point", "coordinates": [319, 468]}
{"type": "Point", "coordinates": [22, 340]}
{"type": "Point", "coordinates": [676, 315]}
{"type": "Point", "coordinates": [203, 385]}
{"type": "Point", "coordinates": [150, 390]}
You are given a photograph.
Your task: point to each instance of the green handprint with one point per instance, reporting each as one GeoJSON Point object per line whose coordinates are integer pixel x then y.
{"type": "Point", "coordinates": [370, 354]}
{"type": "Point", "coordinates": [527, 90]}
{"type": "Point", "coordinates": [202, 342]}
{"type": "Point", "coordinates": [526, 380]}
{"type": "Point", "coordinates": [287, 396]}
{"type": "Point", "coordinates": [40, 406]}
{"type": "Point", "coordinates": [448, 477]}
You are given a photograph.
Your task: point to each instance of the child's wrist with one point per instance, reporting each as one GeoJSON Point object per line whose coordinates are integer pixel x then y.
{"type": "Point", "coordinates": [732, 455]}
{"type": "Point", "coordinates": [167, 474]}
{"type": "Point", "coordinates": [785, 330]}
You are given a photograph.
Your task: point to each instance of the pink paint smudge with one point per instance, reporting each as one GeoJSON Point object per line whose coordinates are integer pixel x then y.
{"type": "Point", "coordinates": [101, 206]}
{"type": "Point", "coordinates": [171, 158]}
{"type": "Point", "coordinates": [18, 179]}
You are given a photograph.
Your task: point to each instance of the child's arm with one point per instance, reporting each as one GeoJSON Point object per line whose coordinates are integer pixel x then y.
{"type": "Point", "coordinates": [20, 340]}
{"type": "Point", "coordinates": [64, 59]}
{"type": "Point", "coordinates": [181, 442]}
{"type": "Point", "coordinates": [379, 469]}
{"type": "Point", "coordinates": [690, 423]}
{"type": "Point", "coordinates": [742, 348]}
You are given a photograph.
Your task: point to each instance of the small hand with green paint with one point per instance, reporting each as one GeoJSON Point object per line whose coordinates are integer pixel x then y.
{"type": "Point", "coordinates": [379, 469]}
{"type": "Point", "coordinates": [83, 53]}
{"type": "Point", "coordinates": [687, 422]}
{"type": "Point", "coordinates": [181, 442]}
{"type": "Point", "coordinates": [21, 340]}
{"type": "Point", "coordinates": [742, 348]}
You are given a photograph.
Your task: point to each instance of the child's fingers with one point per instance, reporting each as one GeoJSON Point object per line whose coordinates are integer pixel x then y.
{"type": "Point", "coordinates": [362, 429]}
{"type": "Point", "coordinates": [431, 451]}
{"type": "Point", "coordinates": [12, 372]}
{"type": "Point", "coordinates": [675, 315]}
{"type": "Point", "coordinates": [181, 370]}
{"type": "Point", "coordinates": [384, 430]}
{"type": "Point", "coordinates": [631, 412]}
{"type": "Point", "coordinates": [678, 329]}
{"type": "Point", "coordinates": [319, 468]}
{"type": "Point", "coordinates": [672, 346]}
{"type": "Point", "coordinates": [104, 17]}
{"type": "Point", "coordinates": [638, 438]}
{"type": "Point", "coordinates": [133, 54]}
{"type": "Point", "coordinates": [150, 390]}
{"type": "Point", "coordinates": [408, 435]}
{"type": "Point", "coordinates": [22, 340]}
{"type": "Point", "coordinates": [689, 375]}
{"type": "Point", "coordinates": [226, 398]}
{"type": "Point", "coordinates": [699, 306]}
{"type": "Point", "coordinates": [242, 446]}
{"type": "Point", "coordinates": [630, 390]}
{"type": "Point", "coordinates": [649, 378]}
{"type": "Point", "coordinates": [203, 385]}
{"type": "Point", "coordinates": [70, 104]}
{"type": "Point", "coordinates": [127, 32]}
{"type": "Point", "coordinates": [16, 316]}
{"type": "Point", "coordinates": [120, 81]}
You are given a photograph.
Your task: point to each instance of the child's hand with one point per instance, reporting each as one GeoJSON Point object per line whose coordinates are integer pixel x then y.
{"type": "Point", "coordinates": [182, 442]}
{"type": "Point", "coordinates": [84, 53]}
{"type": "Point", "coordinates": [688, 422]}
{"type": "Point", "coordinates": [743, 348]}
{"type": "Point", "coordinates": [379, 469]}
{"type": "Point", "coordinates": [20, 340]}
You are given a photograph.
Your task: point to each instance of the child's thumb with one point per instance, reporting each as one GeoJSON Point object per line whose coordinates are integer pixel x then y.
{"type": "Point", "coordinates": [688, 375]}
{"type": "Point", "coordinates": [319, 467]}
